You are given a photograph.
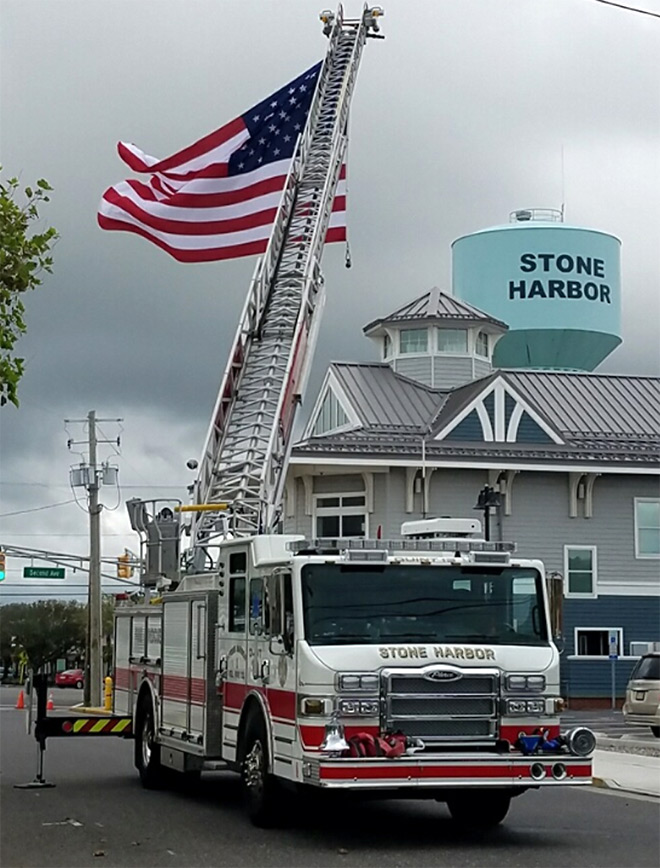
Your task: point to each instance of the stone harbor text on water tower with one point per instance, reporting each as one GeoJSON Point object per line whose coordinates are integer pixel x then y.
{"type": "Point", "coordinates": [557, 286]}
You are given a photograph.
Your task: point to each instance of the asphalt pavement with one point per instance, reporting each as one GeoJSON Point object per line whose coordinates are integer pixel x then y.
{"type": "Point", "coordinates": [97, 814]}
{"type": "Point", "coordinates": [610, 723]}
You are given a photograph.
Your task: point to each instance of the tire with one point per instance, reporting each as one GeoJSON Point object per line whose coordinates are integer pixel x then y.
{"type": "Point", "coordinates": [260, 790]}
{"type": "Point", "coordinates": [479, 810]}
{"type": "Point", "coordinates": [79, 685]}
{"type": "Point", "coordinates": [147, 752]}
{"type": "Point", "coordinates": [656, 731]}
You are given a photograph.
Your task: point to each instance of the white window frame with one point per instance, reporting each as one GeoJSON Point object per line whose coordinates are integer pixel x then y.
{"type": "Point", "coordinates": [577, 655]}
{"type": "Point", "coordinates": [423, 352]}
{"type": "Point", "coordinates": [640, 555]}
{"type": "Point", "coordinates": [463, 352]}
{"type": "Point", "coordinates": [594, 572]}
{"type": "Point", "coordinates": [387, 346]}
{"type": "Point", "coordinates": [340, 510]}
{"type": "Point", "coordinates": [486, 337]}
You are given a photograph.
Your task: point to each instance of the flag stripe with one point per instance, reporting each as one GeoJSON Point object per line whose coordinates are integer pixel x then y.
{"type": "Point", "coordinates": [208, 253]}
{"type": "Point", "coordinates": [138, 200]}
{"type": "Point", "coordinates": [220, 142]}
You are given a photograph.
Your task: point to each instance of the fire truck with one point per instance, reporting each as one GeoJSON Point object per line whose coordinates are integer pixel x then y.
{"type": "Point", "coordinates": [422, 666]}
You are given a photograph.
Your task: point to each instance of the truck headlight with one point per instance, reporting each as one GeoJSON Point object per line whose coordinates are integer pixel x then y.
{"type": "Point", "coordinates": [514, 683]}
{"type": "Point", "coordinates": [355, 707]}
{"type": "Point", "coordinates": [357, 681]}
{"type": "Point", "coordinates": [525, 706]}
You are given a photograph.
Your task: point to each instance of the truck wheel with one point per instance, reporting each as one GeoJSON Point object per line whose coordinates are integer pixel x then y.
{"type": "Point", "coordinates": [479, 810]}
{"type": "Point", "coordinates": [147, 752]}
{"type": "Point", "coordinates": [259, 788]}
{"type": "Point", "coordinates": [656, 731]}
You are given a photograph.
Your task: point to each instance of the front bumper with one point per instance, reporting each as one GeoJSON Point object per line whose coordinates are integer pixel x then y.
{"type": "Point", "coordinates": [457, 771]}
{"type": "Point", "coordinates": [641, 719]}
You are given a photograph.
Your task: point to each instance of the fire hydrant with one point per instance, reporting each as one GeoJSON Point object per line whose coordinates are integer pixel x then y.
{"type": "Point", "coordinates": [107, 694]}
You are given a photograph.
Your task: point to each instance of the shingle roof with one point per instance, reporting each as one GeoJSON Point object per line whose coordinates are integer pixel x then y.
{"type": "Point", "coordinates": [433, 305]}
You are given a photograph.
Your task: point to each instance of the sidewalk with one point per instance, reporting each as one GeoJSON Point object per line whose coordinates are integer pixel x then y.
{"type": "Point", "coordinates": [629, 772]}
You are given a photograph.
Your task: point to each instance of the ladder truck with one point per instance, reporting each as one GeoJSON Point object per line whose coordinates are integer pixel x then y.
{"type": "Point", "coordinates": [423, 666]}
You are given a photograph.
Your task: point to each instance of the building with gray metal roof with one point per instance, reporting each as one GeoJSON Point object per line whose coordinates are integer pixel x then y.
{"type": "Point", "coordinates": [573, 459]}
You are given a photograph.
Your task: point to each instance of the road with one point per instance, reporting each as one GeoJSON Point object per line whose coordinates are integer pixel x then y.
{"type": "Point", "coordinates": [99, 815]}
{"type": "Point", "coordinates": [611, 724]}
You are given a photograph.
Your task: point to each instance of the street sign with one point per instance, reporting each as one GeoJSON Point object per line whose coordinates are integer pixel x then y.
{"type": "Point", "coordinates": [43, 572]}
{"type": "Point", "coordinates": [613, 639]}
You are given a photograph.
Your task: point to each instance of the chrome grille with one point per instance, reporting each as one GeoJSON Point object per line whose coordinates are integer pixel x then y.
{"type": "Point", "coordinates": [468, 684]}
{"type": "Point", "coordinates": [432, 706]}
{"type": "Point", "coordinates": [461, 708]}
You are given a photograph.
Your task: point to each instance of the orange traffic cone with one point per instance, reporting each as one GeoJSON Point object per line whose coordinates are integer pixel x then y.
{"type": "Point", "coordinates": [50, 705]}
{"type": "Point", "coordinates": [20, 702]}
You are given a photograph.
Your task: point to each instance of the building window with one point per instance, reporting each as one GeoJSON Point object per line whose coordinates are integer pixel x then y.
{"type": "Point", "coordinates": [413, 340]}
{"type": "Point", "coordinates": [452, 340]}
{"type": "Point", "coordinates": [331, 415]}
{"type": "Point", "coordinates": [595, 641]}
{"type": "Point", "coordinates": [387, 347]}
{"type": "Point", "coordinates": [647, 527]}
{"type": "Point", "coordinates": [580, 571]}
{"type": "Point", "coordinates": [481, 345]}
{"type": "Point", "coordinates": [342, 515]}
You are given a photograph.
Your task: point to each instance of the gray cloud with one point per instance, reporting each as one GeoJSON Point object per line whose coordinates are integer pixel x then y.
{"type": "Point", "coordinates": [460, 116]}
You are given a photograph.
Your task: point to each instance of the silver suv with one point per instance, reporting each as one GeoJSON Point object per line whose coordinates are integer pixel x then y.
{"type": "Point", "coordinates": [642, 705]}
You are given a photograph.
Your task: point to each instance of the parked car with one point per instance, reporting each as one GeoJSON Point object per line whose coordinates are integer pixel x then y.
{"type": "Point", "coordinates": [642, 705]}
{"type": "Point", "coordinates": [70, 678]}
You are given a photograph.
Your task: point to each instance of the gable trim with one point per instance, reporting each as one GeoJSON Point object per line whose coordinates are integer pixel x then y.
{"type": "Point", "coordinates": [498, 431]}
{"type": "Point", "coordinates": [332, 384]}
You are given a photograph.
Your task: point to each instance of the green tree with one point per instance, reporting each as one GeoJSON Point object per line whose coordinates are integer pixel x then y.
{"type": "Point", "coordinates": [47, 630]}
{"type": "Point", "coordinates": [23, 257]}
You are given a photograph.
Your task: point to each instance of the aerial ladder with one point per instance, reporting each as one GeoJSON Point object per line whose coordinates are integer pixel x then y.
{"type": "Point", "coordinates": [241, 473]}
{"type": "Point", "coordinates": [243, 465]}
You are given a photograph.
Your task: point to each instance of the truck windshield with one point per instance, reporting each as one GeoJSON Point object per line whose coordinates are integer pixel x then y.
{"type": "Point", "coordinates": [356, 604]}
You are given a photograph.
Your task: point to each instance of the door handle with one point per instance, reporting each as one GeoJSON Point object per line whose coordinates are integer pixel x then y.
{"type": "Point", "coordinates": [265, 670]}
{"type": "Point", "coordinates": [221, 674]}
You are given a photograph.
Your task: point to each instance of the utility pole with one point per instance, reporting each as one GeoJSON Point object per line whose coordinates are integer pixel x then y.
{"type": "Point", "coordinates": [94, 640]}
{"type": "Point", "coordinates": [90, 476]}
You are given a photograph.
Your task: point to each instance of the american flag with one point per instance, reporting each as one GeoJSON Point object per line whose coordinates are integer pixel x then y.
{"type": "Point", "coordinates": [217, 199]}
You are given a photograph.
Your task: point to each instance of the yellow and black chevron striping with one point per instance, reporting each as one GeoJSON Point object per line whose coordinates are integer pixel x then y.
{"type": "Point", "coordinates": [51, 727]}
{"type": "Point", "coordinates": [97, 726]}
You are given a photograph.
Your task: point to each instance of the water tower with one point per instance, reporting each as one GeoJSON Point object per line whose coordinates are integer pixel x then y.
{"type": "Point", "coordinates": [557, 286]}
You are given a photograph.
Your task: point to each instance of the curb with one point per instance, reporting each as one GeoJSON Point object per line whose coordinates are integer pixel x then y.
{"type": "Point", "coordinates": [102, 712]}
{"type": "Point", "coordinates": [629, 746]}
{"type": "Point", "coordinates": [611, 784]}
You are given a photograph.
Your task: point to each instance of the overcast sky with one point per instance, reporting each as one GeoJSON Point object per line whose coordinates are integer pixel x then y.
{"type": "Point", "coordinates": [460, 116]}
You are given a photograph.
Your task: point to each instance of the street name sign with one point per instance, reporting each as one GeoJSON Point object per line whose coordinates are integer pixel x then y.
{"type": "Point", "coordinates": [43, 572]}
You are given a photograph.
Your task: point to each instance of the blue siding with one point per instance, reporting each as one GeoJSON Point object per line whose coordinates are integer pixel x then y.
{"type": "Point", "coordinates": [638, 617]}
{"type": "Point", "coordinates": [509, 404]}
{"type": "Point", "coordinates": [469, 429]}
{"type": "Point", "coordinates": [489, 404]}
{"type": "Point", "coordinates": [530, 431]}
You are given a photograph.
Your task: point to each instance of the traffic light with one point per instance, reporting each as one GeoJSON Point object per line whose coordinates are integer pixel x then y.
{"type": "Point", "coordinates": [3, 566]}
{"type": "Point", "coordinates": [124, 568]}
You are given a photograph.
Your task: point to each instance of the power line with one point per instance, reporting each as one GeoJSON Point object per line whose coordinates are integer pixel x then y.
{"type": "Point", "coordinates": [629, 8]}
{"type": "Point", "coordinates": [37, 508]}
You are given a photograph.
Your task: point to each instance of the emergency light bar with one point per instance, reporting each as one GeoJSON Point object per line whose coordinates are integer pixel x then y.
{"type": "Point", "coordinates": [337, 545]}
